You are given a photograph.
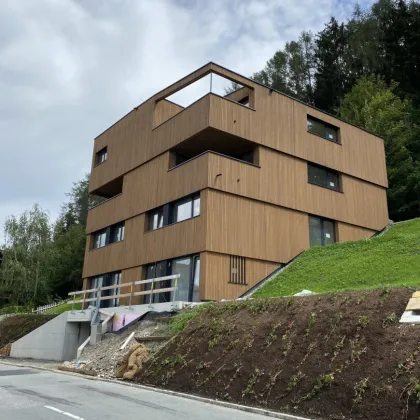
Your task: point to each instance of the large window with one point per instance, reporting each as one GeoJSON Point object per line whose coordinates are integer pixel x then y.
{"type": "Point", "coordinates": [109, 235]}
{"type": "Point", "coordinates": [324, 177]}
{"type": "Point", "coordinates": [174, 212]}
{"type": "Point", "coordinates": [322, 129]}
{"type": "Point", "coordinates": [101, 156]}
{"type": "Point", "coordinates": [188, 282]}
{"type": "Point", "coordinates": [109, 279]}
{"type": "Point", "coordinates": [321, 231]}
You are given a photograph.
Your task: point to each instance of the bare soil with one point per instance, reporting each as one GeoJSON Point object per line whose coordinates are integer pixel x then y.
{"type": "Point", "coordinates": [337, 356]}
{"type": "Point", "coordinates": [14, 327]}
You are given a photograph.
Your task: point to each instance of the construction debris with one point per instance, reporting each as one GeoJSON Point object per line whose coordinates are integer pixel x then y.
{"type": "Point", "coordinates": [108, 358]}
{"type": "Point", "coordinates": [132, 361]}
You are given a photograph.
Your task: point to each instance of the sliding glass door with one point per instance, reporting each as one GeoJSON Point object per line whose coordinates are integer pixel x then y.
{"type": "Point", "coordinates": [188, 283]}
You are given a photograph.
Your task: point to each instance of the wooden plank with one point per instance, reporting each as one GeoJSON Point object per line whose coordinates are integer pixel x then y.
{"type": "Point", "coordinates": [413, 304]}
{"type": "Point", "coordinates": [214, 280]}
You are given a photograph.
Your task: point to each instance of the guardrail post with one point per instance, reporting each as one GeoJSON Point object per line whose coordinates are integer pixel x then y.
{"type": "Point", "coordinates": [98, 298]}
{"type": "Point", "coordinates": [83, 303]}
{"type": "Point", "coordinates": [131, 295]}
{"type": "Point", "coordinates": [176, 288]}
{"type": "Point", "coordinates": [152, 289]}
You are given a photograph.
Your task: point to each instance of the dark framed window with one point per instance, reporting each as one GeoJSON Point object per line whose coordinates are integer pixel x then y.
{"type": "Point", "coordinates": [188, 283]}
{"type": "Point", "coordinates": [99, 239]}
{"type": "Point", "coordinates": [185, 208]}
{"type": "Point", "coordinates": [324, 177]}
{"type": "Point", "coordinates": [109, 235]}
{"type": "Point", "coordinates": [108, 279]}
{"type": "Point", "coordinates": [321, 231]}
{"type": "Point", "coordinates": [117, 233]}
{"type": "Point", "coordinates": [174, 212]}
{"type": "Point", "coordinates": [322, 129]}
{"type": "Point", "coordinates": [101, 156]}
{"type": "Point", "coordinates": [156, 219]}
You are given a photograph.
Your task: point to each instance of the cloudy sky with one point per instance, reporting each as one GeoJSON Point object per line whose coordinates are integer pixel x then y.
{"type": "Point", "coordinates": [70, 68]}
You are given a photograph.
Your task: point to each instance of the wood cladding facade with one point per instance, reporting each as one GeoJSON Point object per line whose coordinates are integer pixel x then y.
{"type": "Point", "coordinates": [257, 212]}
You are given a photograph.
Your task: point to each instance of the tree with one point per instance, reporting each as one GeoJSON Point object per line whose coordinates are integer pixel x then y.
{"type": "Point", "coordinates": [373, 105]}
{"type": "Point", "coordinates": [291, 70]}
{"type": "Point", "coordinates": [42, 260]}
{"type": "Point", "coordinates": [70, 238]}
{"type": "Point", "coordinates": [399, 23]}
{"type": "Point", "coordinates": [332, 78]}
{"type": "Point", "coordinates": [24, 275]}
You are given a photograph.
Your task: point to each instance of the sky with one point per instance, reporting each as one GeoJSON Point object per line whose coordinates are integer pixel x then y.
{"type": "Point", "coordinates": [70, 68]}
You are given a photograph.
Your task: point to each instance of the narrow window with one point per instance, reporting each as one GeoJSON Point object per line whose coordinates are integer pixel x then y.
{"type": "Point", "coordinates": [324, 177]}
{"type": "Point", "coordinates": [156, 219]}
{"type": "Point", "coordinates": [99, 239]}
{"type": "Point", "coordinates": [117, 233]}
{"type": "Point", "coordinates": [101, 155]}
{"type": "Point", "coordinates": [322, 129]}
{"type": "Point", "coordinates": [196, 206]}
{"type": "Point", "coordinates": [237, 270]}
{"type": "Point", "coordinates": [321, 231]}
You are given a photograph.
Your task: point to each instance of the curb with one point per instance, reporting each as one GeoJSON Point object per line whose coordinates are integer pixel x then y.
{"type": "Point", "coordinates": [248, 409]}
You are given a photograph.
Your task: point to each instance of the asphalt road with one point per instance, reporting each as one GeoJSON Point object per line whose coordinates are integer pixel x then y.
{"type": "Point", "coordinates": [28, 394]}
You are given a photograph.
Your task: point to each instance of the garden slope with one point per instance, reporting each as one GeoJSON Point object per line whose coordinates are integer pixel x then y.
{"type": "Point", "coordinates": [388, 260]}
{"type": "Point", "coordinates": [324, 356]}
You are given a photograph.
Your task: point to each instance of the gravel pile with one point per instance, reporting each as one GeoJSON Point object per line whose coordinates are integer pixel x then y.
{"type": "Point", "coordinates": [104, 357]}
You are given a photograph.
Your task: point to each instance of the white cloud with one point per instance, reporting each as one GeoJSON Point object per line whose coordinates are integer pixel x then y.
{"type": "Point", "coordinates": [71, 68]}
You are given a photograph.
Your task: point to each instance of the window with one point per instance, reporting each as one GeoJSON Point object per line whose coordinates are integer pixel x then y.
{"type": "Point", "coordinates": [321, 231]}
{"type": "Point", "coordinates": [109, 235]}
{"type": "Point", "coordinates": [109, 279]}
{"type": "Point", "coordinates": [174, 212]}
{"type": "Point", "coordinates": [99, 239]}
{"type": "Point", "coordinates": [185, 209]}
{"type": "Point", "coordinates": [101, 155]}
{"type": "Point", "coordinates": [188, 282]}
{"type": "Point", "coordinates": [182, 210]}
{"type": "Point", "coordinates": [117, 233]}
{"type": "Point", "coordinates": [324, 177]}
{"type": "Point", "coordinates": [156, 219]}
{"type": "Point", "coordinates": [237, 270]}
{"type": "Point", "coordinates": [322, 129]}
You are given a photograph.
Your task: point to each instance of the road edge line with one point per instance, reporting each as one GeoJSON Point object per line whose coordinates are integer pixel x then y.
{"type": "Point", "coordinates": [226, 404]}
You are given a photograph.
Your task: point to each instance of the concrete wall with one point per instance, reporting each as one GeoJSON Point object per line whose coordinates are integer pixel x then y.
{"type": "Point", "coordinates": [55, 340]}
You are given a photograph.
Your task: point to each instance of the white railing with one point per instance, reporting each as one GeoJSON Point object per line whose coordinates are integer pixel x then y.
{"type": "Point", "coordinates": [98, 291]}
{"type": "Point", "coordinates": [45, 308]}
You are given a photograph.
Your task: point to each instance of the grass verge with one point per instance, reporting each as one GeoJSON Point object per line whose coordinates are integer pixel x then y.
{"type": "Point", "coordinates": [389, 260]}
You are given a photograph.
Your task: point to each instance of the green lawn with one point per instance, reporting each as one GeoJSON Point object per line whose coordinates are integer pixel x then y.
{"type": "Point", "coordinates": [63, 308]}
{"type": "Point", "coordinates": [389, 260]}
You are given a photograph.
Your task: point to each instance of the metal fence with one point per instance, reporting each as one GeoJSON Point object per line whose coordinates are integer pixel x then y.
{"type": "Point", "coordinates": [97, 292]}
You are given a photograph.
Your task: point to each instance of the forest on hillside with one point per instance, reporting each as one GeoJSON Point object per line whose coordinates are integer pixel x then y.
{"type": "Point", "coordinates": [364, 70]}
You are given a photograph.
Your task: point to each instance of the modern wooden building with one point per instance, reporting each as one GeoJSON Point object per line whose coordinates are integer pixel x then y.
{"type": "Point", "coordinates": [227, 189]}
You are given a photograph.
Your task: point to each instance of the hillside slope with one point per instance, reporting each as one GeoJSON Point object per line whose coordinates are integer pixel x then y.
{"type": "Point", "coordinates": [330, 356]}
{"type": "Point", "coordinates": [388, 260]}
{"type": "Point", "coordinates": [14, 327]}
